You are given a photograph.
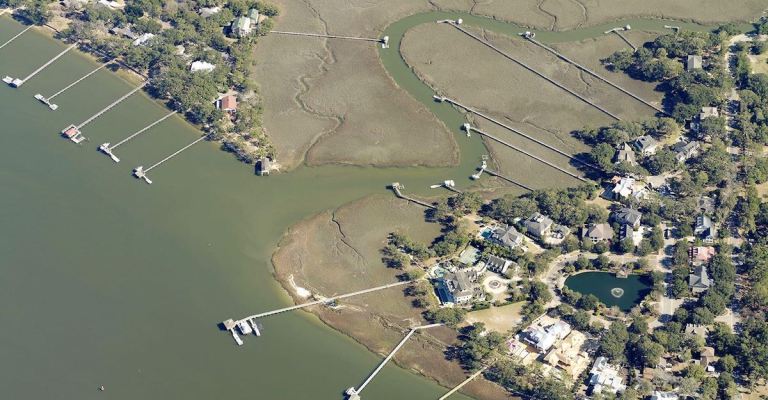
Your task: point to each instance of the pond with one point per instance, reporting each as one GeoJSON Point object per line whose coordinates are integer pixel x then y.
{"type": "Point", "coordinates": [624, 293]}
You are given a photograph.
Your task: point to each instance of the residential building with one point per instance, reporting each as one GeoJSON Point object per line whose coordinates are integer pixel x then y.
{"type": "Point", "coordinates": [568, 355]}
{"type": "Point", "coordinates": [697, 330]}
{"type": "Point", "coordinates": [143, 39]}
{"type": "Point", "coordinates": [686, 150]}
{"type": "Point", "coordinates": [701, 254]}
{"type": "Point", "coordinates": [706, 112]}
{"type": "Point", "coordinates": [124, 31]}
{"type": "Point", "coordinates": [544, 334]}
{"type": "Point", "coordinates": [507, 236]}
{"type": "Point", "coordinates": [557, 234]}
{"type": "Point", "coordinates": [253, 14]}
{"type": "Point", "coordinates": [626, 155]}
{"type": "Point", "coordinates": [657, 395]}
{"type": "Point", "coordinates": [634, 234]}
{"type": "Point", "coordinates": [207, 12]}
{"type": "Point", "coordinates": [628, 216]}
{"type": "Point", "coordinates": [538, 225]}
{"type": "Point", "coordinates": [227, 103]}
{"type": "Point", "coordinates": [598, 233]}
{"type": "Point", "coordinates": [263, 166]}
{"type": "Point", "coordinates": [604, 377]}
{"type": "Point", "coordinates": [201, 66]}
{"type": "Point", "coordinates": [646, 145]}
{"type": "Point", "coordinates": [707, 358]}
{"type": "Point", "coordinates": [241, 26]}
{"type": "Point", "coordinates": [497, 264]}
{"type": "Point", "coordinates": [626, 187]}
{"type": "Point", "coordinates": [706, 205]}
{"type": "Point", "coordinates": [693, 62]}
{"type": "Point", "coordinates": [705, 229]}
{"type": "Point", "coordinates": [699, 281]}
{"type": "Point", "coordinates": [458, 287]}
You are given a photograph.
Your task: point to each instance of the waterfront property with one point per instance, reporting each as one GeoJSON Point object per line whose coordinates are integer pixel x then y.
{"type": "Point", "coordinates": [633, 288]}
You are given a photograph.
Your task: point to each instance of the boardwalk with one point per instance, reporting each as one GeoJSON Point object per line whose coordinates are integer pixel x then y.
{"type": "Point", "coordinates": [513, 147]}
{"type": "Point", "coordinates": [533, 70]}
{"type": "Point", "coordinates": [16, 36]}
{"type": "Point", "coordinates": [109, 107]}
{"type": "Point", "coordinates": [384, 41]}
{"type": "Point", "coordinates": [44, 66]}
{"type": "Point", "coordinates": [460, 385]}
{"type": "Point", "coordinates": [51, 97]}
{"type": "Point", "coordinates": [595, 74]}
{"type": "Point", "coordinates": [397, 188]}
{"type": "Point", "coordinates": [354, 393]}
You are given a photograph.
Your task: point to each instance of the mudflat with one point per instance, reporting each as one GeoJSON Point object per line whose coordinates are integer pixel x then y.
{"type": "Point", "coordinates": [331, 101]}
{"type": "Point", "coordinates": [338, 251]}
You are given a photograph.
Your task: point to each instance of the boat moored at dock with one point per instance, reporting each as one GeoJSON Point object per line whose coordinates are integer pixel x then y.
{"type": "Point", "coordinates": [141, 174]}
{"type": "Point", "coordinates": [47, 102]}
{"type": "Point", "coordinates": [255, 327]}
{"type": "Point", "coordinates": [245, 329]}
{"type": "Point", "coordinates": [104, 148]}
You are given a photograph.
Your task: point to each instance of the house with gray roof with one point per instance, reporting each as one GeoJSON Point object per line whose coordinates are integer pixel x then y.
{"type": "Point", "coordinates": [498, 265]}
{"type": "Point", "coordinates": [538, 225]}
{"type": "Point", "coordinates": [693, 62]}
{"type": "Point", "coordinates": [458, 287]}
{"type": "Point", "coordinates": [598, 233]}
{"type": "Point", "coordinates": [686, 150]}
{"type": "Point", "coordinates": [507, 236]}
{"type": "Point", "coordinates": [646, 145]}
{"type": "Point", "coordinates": [628, 216]}
{"type": "Point", "coordinates": [705, 229]}
{"type": "Point", "coordinates": [699, 281]}
{"type": "Point", "coordinates": [626, 155]}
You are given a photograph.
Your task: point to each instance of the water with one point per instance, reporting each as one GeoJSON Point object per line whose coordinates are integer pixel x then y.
{"type": "Point", "coordinates": [601, 284]}
{"type": "Point", "coordinates": [108, 281]}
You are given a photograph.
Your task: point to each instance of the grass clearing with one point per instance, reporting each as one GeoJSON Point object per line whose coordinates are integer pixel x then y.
{"type": "Point", "coordinates": [498, 319]}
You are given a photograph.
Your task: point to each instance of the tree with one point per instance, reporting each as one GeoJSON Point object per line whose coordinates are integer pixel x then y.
{"type": "Point", "coordinates": [602, 155]}
{"type": "Point", "coordinates": [663, 161]}
{"type": "Point", "coordinates": [614, 341]}
{"type": "Point", "coordinates": [448, 315]}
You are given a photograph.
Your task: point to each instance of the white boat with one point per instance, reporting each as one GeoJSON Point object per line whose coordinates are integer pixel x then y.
{"type": "Point", "coordinates": [8, 79]}
{"type": "Point", "coordinates": [237, 338]}
{"type": "Point", "coordinates": [245, 329]}
{"type": "Point", "coordinates": [17, 82]}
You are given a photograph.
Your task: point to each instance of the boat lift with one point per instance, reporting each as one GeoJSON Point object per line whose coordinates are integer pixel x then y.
{"type": "Point", "coordinates": [108, 149]}
{"type": "Point", "coordinates": [47, 100]}
{"type": "Point", "coordinates": [16, 82]}
{"type": "Point", "coordinates": [141, 173]}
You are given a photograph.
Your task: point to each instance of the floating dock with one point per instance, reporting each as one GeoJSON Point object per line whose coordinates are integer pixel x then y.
{"type": "Point", "coordinates": [141, 172]}
{"type": "Point", "coordinates": [108, 149]}
{"type": "Point", "coordinates": [48, 100]}
{"type": "Point", "coordinates": [16, 83]}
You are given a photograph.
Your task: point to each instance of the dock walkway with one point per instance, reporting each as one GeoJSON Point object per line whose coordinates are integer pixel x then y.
{"type": "Point", "coordinates": [513, 147]}
{"type": "Point", "coordinates": [460, 385]}
{"type": "Point", "coordinates": [51, 97]}
{"type": "Point", "coordinates": [397, 188]}
{"type": "Point", "coordinates": [18, 82]}
{"type": "Point", "coordinates": [533, 70]}
{"type": "Point", "coordinates": [595, 74]}
{"type": "Point", "coordinates": [354, 393]}
{"type": "Point", "coordinates": [384, 41]}
{"type": "Point", "coordinates": [110, 106]}
{"type": "Point", "coordinates": [16, 36]}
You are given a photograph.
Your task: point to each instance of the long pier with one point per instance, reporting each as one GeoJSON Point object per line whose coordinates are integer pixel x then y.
{"type": "Point", "coordinates": [109, 107]}
{"type": "Point", "coordinates": [397, 188]}
{"type": "Point", "coordinates": [617, 31]}
{"type": "Point", "coordinates": [531, 69]}
{"type": "Point", "coordinates": [107, 149]}
{"type": "Point", "coordinates": [384, 41]}
{"type": "Point", "coordinates": [460, 385]}
{"type": "Point", "coordinates": [141, 172]}
{"type": "Point", "coordinates": [510, 145]}
{"type": "Point", "coordinates": [354, 393]}
{"type": "Point", "coordinates": [47, 100]}
{"type": "Point", "coordinates": [594, 74]}
{"type": "Point", "coordinates": [510, 180]}
{"type": "Point", "coordinates": [510, 128]}
{"type": "Point", "coordinates": [16, 36]}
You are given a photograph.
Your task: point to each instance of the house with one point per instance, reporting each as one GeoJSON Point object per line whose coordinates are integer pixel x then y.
{"type": "Point", "coordinates": [497, 264]}
{"type": "Point", "coordinates": [706, 204]}
{"type": "Point", "coordinates": [699, 281]}
{"type": "Point", "coordinates": [241, 26]}
{"type": "Point", "coordinates": [626, 155]}
{"type": "Point", "coordinates": [626, 187]}
{"type": "Point", "coordinates": [253, 14]}
{"type": "Point", "coordinates": [207, 12]}
{"type": "Point", "coordinates": [538, 225]}
{"type": "Point", "coordinates": [112, 5]}
{"type": "Point", "coordinates": [697, 330]}
{"type": "Point", "coordinates": [263, 166]}
{"type": "Point", "coordinates": [227, 103]}
{"type": "Point", "coordinates": [143, 39]}
{"type": "Point", "coordinates": [634, 234]}
{"type": "Point", "coordinates": [693, 62]}
{"type": "Point", "coordinates": [568, 355]}
{"type": "Point", "coordinates": [657, 395]}
{"type": "Point", "coordinates": [598, 233]}
{"type": "Point", "coordinates": [126, 31]}
{"type": "Point", "coordinates": [686, 150]}
{"type": "Point", "coordinates": [707, 358]}
{"type": "Point", "coordinates": [458, 287]}
{"type": "Point", "coordinates": [628, 216]}
{"type": "Point", "coordinates": [604, 377]}
{"type": "Point", "coordinates": [705, 229]}
{"type": "Point", "coordinates": [706, 112]}
{"type": "Point", "coordinates": [701, 254]}
{"type": "Point", "coordinates": [646, 145]}
{"type": "Point", "coordinates": [545, 334]}
{"type": "Point", "coordinates": [201, 66]}
{"type": "Point", "coordinates": [557, 234]}
{"type": "Point", "coordinates": [507, 236]}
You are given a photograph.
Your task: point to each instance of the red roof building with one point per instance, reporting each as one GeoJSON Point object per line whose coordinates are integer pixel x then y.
{"type": "Point", "coordinates": [71, 132]}
{"type": "Point", "coordinates": [228, 103]}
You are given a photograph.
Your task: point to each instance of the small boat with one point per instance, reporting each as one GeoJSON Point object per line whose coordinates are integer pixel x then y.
{"type": "Point", "coordinates": [8, 79]}
{"type": "Point", "coordinates": [245, 329]}
{"type": "Point", "coordinates": [237, 338]}
{"type": "Point", "coordinates": [255, 327]}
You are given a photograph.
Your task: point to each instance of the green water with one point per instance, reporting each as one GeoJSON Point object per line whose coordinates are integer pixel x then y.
{"type": "Point", "coordinates": [105, 280]}
{"type": "Point", "coordinates": [600, 284]}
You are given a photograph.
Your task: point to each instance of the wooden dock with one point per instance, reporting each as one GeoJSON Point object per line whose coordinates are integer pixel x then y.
{"type": "Point", "coordinates": [16, 36]}
{"type": "Point", "coordinates": [533, 70]}
{"type": "Point", "coordinates": [460, 385]}
{"type": "Point", "coordinates": [397, 188]}
{"type": "Point", "coordinates": [384, 41]}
